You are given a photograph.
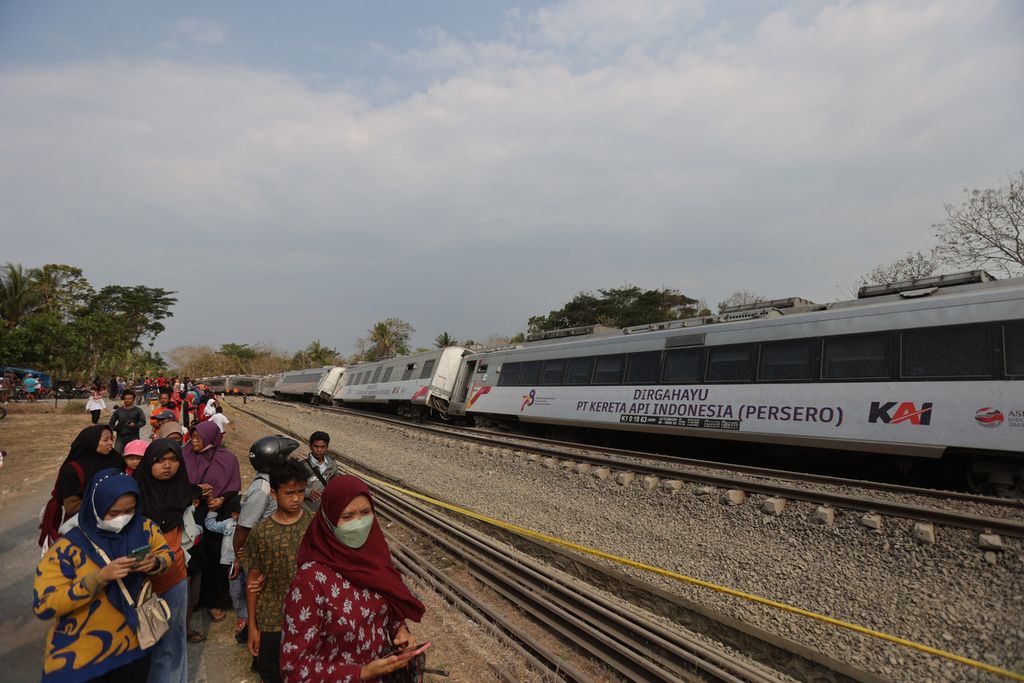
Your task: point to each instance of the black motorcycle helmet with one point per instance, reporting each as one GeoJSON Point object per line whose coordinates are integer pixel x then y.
{"type": "Point", "coordinates": [270, 450]}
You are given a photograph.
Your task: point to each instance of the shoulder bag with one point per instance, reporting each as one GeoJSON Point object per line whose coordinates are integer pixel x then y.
{"type": "Point", "coordinates": [154, 613]}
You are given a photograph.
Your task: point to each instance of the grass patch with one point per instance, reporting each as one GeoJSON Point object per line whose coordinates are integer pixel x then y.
{"type": "Point", "coordinates": [73, 407]}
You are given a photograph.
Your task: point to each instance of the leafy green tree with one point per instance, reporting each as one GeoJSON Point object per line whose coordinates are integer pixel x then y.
{"type": "Point", "coordinates": [316, 354]}
{"type": "Point", "coordinates": [64, 291]}
{"type": "Point", "coordinates": [445, 340]}
{"type": "Point", "coordinates": [386, 339]}
{"type": "Point", "coordinates": [19, 295]}
{"type": "Point", "coordinates": [137, 310]}
{"type": "Point", "coordinates": [240, 355]}
{"type": "Point", "coordinates": [619, 307]}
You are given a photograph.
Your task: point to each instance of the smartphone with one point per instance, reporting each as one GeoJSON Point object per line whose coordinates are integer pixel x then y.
{"type": "Point", "coordinates": [418, 651]}
{"type": "Point", "coordinates": [139, 553]}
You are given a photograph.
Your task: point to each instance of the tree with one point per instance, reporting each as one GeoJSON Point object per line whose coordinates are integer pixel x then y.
{"type": "Point", "coordinates": [911, 267]}
{"type": "Point", "coordinates": [316, 354]}
{"type": "Point", "coordinates": [386, 339]}
{"type": "Point", "coordinates": [19, 295]}
{"type": "Point", "coordinates": [64, 291]}
{"type": "Point", "coordinates": [445, 340]}
{"type": "Point", "coordinates": [987, 230]}
{"type": "Point", "coordinates": [240, 355]}
{"type": "Point", "coordinates": [138, 310]}
{"type": "Point", "coordinates": [621, 307]}
{"type": "Point", "coordinates": [739, 298]}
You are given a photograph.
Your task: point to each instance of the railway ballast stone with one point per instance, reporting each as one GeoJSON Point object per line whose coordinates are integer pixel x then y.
{"type": "Point", "coordinates": [773, 506]}
{"type": "Point", "coordinates": [533, 457]}
{"type": "Point", "coordinates": [733, 497]}
{"type": "Point", "coordinates": [989, 541]}
{"type": "Point", "coordinates": [872, 521]}
{"type": "Point", "coordinates": [990, 557]}
{"type": "Point", "coordinates": [649, 483]}
{"type": "Point", "coordinates": [568, 465]}
{"type": "Point", "coordinates": [703, 491]}
{"type": "Point", "coordinates": [672, 485]}
{"type": "Point", "coordinates": [584, 467]}
{"type": "Point", "coordinates": [824, 515]}
{"type": "Point", "coordinates": [624, 478]}
{"type": "Point", "coordinates": [602, 473]}
{"type": "Point", "coordinates": [923, 532]}
{"type": "Point", "coordinates": [551, 463]}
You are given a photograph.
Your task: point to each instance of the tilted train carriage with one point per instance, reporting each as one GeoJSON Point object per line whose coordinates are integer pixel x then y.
{"type": "Point", "coordinates": [410, 385]}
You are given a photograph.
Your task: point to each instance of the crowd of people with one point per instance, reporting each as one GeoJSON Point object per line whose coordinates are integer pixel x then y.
{"type": "Point", "coordinates": [299, 557]}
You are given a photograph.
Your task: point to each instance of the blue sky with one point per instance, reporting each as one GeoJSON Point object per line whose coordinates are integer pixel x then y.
{"type": "Point", "coordinates": [299, 171]}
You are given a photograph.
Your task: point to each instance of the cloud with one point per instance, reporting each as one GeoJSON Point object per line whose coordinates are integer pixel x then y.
{"type": "Point", "coordinates": [586, 147]}
{"type": "Point", "coordinates": [197, 31]}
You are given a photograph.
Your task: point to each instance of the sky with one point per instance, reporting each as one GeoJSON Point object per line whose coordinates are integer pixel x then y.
{"type": "Point", "coordinates": [299, 171]}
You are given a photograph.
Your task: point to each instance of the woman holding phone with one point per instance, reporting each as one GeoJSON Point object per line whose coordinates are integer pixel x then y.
{"type": "Point", "coordinates": [165, 494]}
{"type": "Point", "coordinates": [347, 605]}
{"type": "Point", "coordinates": [79, 584]}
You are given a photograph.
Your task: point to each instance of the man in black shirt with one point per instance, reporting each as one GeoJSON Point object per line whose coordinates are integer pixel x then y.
{"type": "Point", "coordinates": [127, 421]}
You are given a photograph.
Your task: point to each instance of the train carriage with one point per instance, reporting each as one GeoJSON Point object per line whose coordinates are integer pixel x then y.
{"type": "Point", "coordinates": [922, 369]}
{"type": "Point", "coordinates": [240, 384]}
{"type": "Point", "coordinates": [306, 385]}
{"type": "Point", "coordinates": [408, 385]}
{"type": "Point", "coordinates": [265, 385]}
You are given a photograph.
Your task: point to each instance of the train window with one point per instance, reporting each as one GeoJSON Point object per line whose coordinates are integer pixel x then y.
{"type": "Point", "coordinates": [1013, 345]}
{"type": "Point", "coordinates": [947, 352]}
{"type": "Point", "coordinates": [530, 373]}
{"type": "Point", "coordinates": [863, 357]}
{"type": "Point", "coordinates": [644, 368]}
{"type": "Point", "coordinates": [408, 371]}
{"type": "Point", "coordinates": [730, 363]}
{"type": "Point", "coordinates": [481, 368]}
{"type": "Point", "coordinates": [376, 374]}
{"type": "Point", "coordinates": [580, 370]}
{"type": "Point", "coordinates": [428, 369]}
{"type": "Point", "coordinates": [787, 361]}
{"type": "Point", "coordinates": [683, 365]}
{"type": "Point", "coordinates": [553, 371]}
{"type": "Point", "coordinates": [387, 375]}
{"type": "Point", "coordinates": [508, 376]}
{"type": "Point", "coordinates": [608, 369]}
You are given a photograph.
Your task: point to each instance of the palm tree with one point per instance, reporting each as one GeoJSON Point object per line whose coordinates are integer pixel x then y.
{"type": "Point", "coordinates": [444, 340]}
{"type": "Point", "coordinates": [19, 295]}
{"type": "Point", "coordinates": [318, 354]}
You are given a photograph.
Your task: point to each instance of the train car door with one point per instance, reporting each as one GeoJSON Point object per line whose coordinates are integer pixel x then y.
{"type": "Point", "coordinates": [465, 377]}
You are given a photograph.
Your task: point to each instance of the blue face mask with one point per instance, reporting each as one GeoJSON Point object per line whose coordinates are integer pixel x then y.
{"type": "Point", "coordinates": [354, 533]}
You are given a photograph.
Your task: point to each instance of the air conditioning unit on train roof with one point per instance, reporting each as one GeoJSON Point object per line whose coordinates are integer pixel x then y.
{"type": "Point", "coordinates": [571, 332]}
{"type": "Point", "coordinates": [933, 282]}
{"type": "Point", "coordinates": [793, 302]}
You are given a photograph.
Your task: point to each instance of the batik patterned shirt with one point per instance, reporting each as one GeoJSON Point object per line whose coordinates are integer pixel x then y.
{"type": "Point", "coordinates": [271, 548]}
{"type": "Point", "coordinates": [332, 627]}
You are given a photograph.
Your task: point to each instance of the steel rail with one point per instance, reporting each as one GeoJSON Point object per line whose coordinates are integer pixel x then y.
{"type": "Point", "coordinates": [924, 513]}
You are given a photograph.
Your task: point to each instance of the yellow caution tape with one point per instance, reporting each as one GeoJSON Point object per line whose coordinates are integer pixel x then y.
{"type": "Point", "coordinates": [920, 647]}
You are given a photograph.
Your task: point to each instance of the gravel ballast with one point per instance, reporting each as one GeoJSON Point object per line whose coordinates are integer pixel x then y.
{"type": "Point", "coordinates": [949, 595]}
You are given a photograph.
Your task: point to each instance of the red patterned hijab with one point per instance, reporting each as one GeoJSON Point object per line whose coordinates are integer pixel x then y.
{"type": "Point", "coordinates": [369, 566]}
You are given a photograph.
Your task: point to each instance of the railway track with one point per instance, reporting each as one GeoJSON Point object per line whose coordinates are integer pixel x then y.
{"type": "Point", "coordinates": [762, 481]}
{"type": "Point", "coordinates": [628, 642]}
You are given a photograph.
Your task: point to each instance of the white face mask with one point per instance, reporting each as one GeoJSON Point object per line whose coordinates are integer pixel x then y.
{"type": "Point", "coordinates": [115, 524]}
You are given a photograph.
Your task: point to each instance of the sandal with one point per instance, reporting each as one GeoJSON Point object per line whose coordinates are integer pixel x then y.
{"type": "Point", "coordinates": [217, 615]}
{"type": "Point", "coordinates": [196, 637]}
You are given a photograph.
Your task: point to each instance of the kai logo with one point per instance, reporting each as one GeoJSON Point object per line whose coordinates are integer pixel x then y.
{"type": "Point", "coordinates": [894, 413]}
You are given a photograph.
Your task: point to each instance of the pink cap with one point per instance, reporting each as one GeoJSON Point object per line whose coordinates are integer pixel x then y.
{"type": "Point", "coordinates": [137, 447]}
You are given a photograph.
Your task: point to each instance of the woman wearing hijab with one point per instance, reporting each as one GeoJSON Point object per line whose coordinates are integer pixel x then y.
{"type": "Point", "coordinates": [164, 495]}
{"type": "Point", "coordinates": [216, 471]}
{"type": "Point", "coordinates": [346, 592]}
{"type": "Point", "coordinates": [94, 634]}
{"type": "Point", "coordinates": [92, 451]}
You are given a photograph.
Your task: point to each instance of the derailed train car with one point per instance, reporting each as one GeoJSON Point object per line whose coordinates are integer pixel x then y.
{"type": "Point", "coordinates": [409, 385]}
{"type": "Point", "coordinates": [919, 369]}
{"type": "Point", "coordinates": [314, 385]}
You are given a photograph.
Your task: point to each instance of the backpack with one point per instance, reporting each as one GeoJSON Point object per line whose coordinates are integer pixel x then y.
{"type": "Point", "coordinates": [52, 516]}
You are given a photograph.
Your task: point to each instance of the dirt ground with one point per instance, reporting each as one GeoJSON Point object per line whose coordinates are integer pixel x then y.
{"type": "Point", "coordinates": [36, 438]}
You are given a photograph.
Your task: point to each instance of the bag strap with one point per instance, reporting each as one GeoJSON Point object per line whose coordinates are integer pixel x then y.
{"type": "Point", "coordinates": [77, 467]}
{"type": "Point", "coordinates": [124, 589]}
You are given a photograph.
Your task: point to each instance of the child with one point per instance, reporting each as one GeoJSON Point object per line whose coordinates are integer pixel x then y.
{"type": "Point", "coordinates": [133, 452]}
{"type": "Point", "coordinates": [226, 526]}
{"type": "Point", "coordinates": [270, 552]}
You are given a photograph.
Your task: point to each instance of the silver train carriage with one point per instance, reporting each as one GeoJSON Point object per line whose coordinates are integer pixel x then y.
{"type": "Point", "coordinates": [409, 385]}
{"type": "Point", "coordinates": [265, 385]}
{"type": "Point", "coordinates": [923, 369]}
{"type": "Point", "coordinates": [240, 384]}
{"type": "Point", "coordinates": [314, 385]}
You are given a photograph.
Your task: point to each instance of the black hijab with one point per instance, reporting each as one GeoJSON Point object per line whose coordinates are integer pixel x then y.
{"type": "Point", "coordinates": [84, 452]}
{"type": "Point", "coordinates": [163, 501]}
